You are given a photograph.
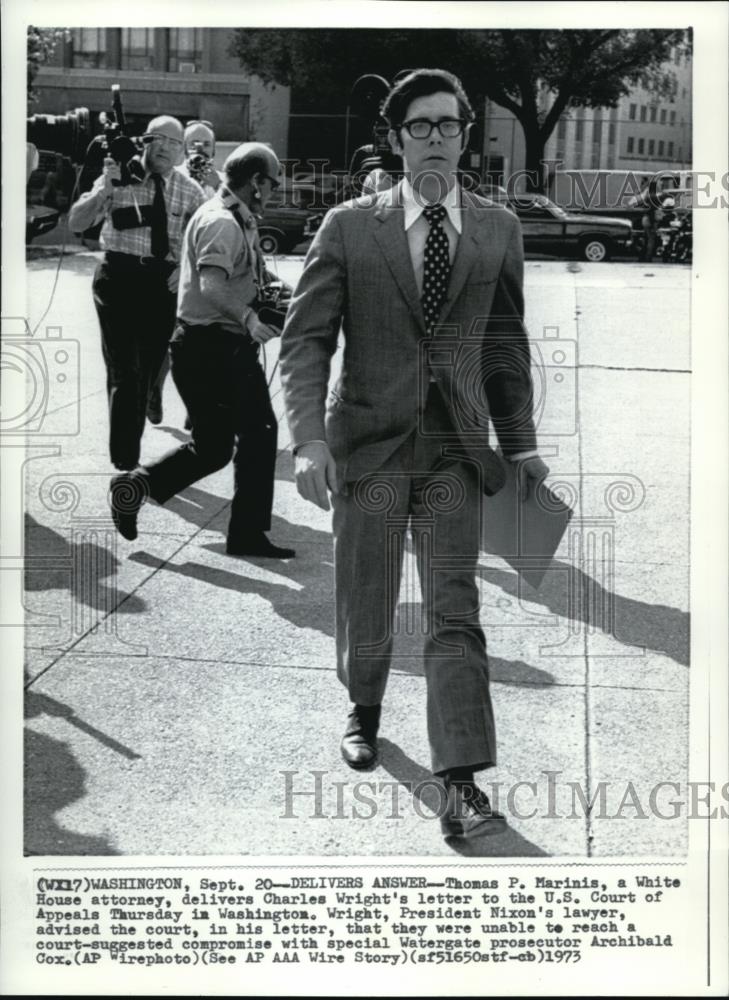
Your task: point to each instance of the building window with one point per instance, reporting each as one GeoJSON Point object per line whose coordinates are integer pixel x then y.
{"type": "Point", "coordinates": [651, 147]}
{"type": "Point", "coordinates": [611, 134]}
{"type": "Point", "coordinates": [661, 146]}
{"type": "Point", "coordinates": [88, 49]}
{"type": "Point", "coordinates": [670, 150]}
{"type": "Point", "coordinates": [561, 128]}
{"type": "Point", "coordinates": [663, 116]}
{"type": "Point", "coordinates": [673, 118]}
{"type": "Point", "coordinates": [654, 112]}
{"type": "Point", "coordinates": [579, 130]}
{"type": "Point", "coordinates": [632, 112]}
{"type": "Point", "coordinates": [643, 112]}
{"type": "Point", "coordinates": [185, 50]}
{"type": "Point", "coordinates": [137, 48]}
{"type": "Point", "coordinates": [683, 94]}
{"type": "Point", "coordinates": [641, 146]}
{"type": "Point", "coordinates": [629, 147]}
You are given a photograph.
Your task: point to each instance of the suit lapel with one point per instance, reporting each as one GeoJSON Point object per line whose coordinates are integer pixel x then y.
{"type": "Point", "coordinates": [477, 240]}
{"type": "Point", "coordinates": [391, 238]}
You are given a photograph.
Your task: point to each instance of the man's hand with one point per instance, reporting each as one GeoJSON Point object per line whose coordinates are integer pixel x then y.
{"type": "Point", "coordinates": [259, 331]}
{"type": "Point", "coordinates": [530, 473]}
{"type": "Point", "coordinates": [316, 473]}
{"type": "Point", "coordinates": [173, 280]}
{"type": "Point", "coordinates": [111, 172]}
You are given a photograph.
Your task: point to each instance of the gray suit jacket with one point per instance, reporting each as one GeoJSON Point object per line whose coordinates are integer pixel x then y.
{"type": "Point", "coordinates": [358, 276]}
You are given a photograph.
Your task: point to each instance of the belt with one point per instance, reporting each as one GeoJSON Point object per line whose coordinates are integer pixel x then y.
{"type": "Point", "coordinates": [130, 260]}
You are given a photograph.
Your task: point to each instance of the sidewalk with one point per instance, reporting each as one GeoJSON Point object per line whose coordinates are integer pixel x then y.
{"type": "Point", "coordinates": [169, 685]}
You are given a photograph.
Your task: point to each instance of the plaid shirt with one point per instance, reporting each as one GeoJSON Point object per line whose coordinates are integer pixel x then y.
{"type": "Point", "coordinates": [183, 196]}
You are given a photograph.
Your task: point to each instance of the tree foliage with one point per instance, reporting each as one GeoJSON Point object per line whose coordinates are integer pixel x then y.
{"type": "Point", "coordinates": [515, 69]}
{"type": "Point", "coordinates": [41, 45]}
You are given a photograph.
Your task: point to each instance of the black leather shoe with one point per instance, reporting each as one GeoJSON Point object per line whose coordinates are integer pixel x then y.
{"type": "Point", "coordinates": [359, 743]}
{"type": "Point", "coordinates": [468, 812]}
{"type": "Point", "coordinates": [257, 545]}
{"type": "Point", "coordinates": [127, 493]}
{"type": "Point", "coordinates": [154, 406]}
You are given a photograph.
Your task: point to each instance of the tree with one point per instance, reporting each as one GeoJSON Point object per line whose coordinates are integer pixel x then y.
{"type": "Point", "coordinates": [573, 68]}
{"type": "Point", "coordinates": [41, 45]}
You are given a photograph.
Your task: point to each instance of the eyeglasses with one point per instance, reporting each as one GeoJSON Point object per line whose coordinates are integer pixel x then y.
{"type": "Point", "coordinates": [155, 138]}
{"type": "Point", "coordinates": [275, 184]}
{"type": "Point", "coordinates": [421, 128]}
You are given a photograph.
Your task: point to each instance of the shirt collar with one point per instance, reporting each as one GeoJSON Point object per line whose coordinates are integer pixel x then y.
{"type": "Point", "coordinates": [413, 205]}
{"type": "Point", "coordinates": [230, 201]}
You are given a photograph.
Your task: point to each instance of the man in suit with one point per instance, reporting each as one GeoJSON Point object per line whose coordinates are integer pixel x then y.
{"type": "Point", "coordinates": [425, 281]}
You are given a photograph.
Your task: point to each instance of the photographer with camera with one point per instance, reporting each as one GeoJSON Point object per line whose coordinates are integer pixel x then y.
{"type": "Point", "coordinates": [215, 362]}
{"type": "Point", "coordinates": [199, 152]}
{"type": "Point", "coordinates": [135, 285]}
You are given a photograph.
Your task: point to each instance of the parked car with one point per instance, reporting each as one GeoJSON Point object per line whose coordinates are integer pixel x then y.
{"type": "Point", "coordinates": [285, 222]}
{"type": "Point", "coordinates": [47, 194]}
{"type": "Point", "coordinates": [547, 228]}
{"type": "Point", "coordinates": [39, 219]}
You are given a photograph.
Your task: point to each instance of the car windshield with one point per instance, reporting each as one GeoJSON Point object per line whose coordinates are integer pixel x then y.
{"type": "Point", "coordinates": [542, 202]}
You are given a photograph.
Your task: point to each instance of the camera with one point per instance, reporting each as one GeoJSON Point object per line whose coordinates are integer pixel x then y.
{"type": "Point", "coordinates": [198, 162]}
{"type": "Point", "coordinates": [271, 303]}
{"type": "Point", "coordinates": [368, 94]}
{"type": "Point", "coordinates": [45, 399]}
{"type": "Point", "coordinates": [71, 136]}
{"type": "Point", "coordinates": [67, 134]}
{"type": "Point", "coordinates": [470, 361]}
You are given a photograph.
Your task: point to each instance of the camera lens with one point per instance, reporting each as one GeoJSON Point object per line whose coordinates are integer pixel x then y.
{"type": "Point", "coordinates": [67, 134]}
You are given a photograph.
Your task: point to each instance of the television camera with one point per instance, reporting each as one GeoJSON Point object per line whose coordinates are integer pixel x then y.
{"type": "Point", "coordinates": [71, 136]}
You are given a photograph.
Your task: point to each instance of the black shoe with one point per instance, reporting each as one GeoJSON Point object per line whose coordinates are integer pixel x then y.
{"type": "Point", "coordinates": [468, 812]}
{"type": "Point", "coordinates": [258, 545]}
{"type": "Point", "coordinates": [359, 743]}
{"type": "Point", "coordinates": [154, 406]}
{"type": "Point", "coordinates": [127, 493]}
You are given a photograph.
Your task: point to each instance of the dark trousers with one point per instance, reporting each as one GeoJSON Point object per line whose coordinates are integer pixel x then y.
{"type": "Point", "coordinates": [439, 501]}
{"type": "Point", "coordinates": [222, 384]}
{"type": "Point", "coordinates": [137, 317]}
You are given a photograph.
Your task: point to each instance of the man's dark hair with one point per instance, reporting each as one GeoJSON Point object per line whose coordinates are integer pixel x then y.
{"type": "Point", "coordinates": [238, 171]}
{"type": "Point", "coordinates": [423, 83]}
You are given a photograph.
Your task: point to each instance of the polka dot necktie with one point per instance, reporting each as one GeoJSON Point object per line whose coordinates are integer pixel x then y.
{"type": "Point", "coordinates": [436, 266]}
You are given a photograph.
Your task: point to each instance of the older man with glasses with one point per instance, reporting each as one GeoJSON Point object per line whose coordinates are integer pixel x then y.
{"type": "Point", "coordinates": [135, 285]}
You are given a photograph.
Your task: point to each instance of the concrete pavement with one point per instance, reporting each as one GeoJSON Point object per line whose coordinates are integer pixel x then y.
{"type": "Point", "coordinates": [169, 686]}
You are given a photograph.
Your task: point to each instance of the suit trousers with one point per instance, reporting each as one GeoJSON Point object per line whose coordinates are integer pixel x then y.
{"type": "Point", "coordinates": [223, 386]}
{"type": "Point", "coordinates": [439, 500]}
{"type": "Point", "coordinates": [136, 313]}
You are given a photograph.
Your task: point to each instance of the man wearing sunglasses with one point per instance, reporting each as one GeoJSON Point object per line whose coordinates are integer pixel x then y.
{"type": "Point", "coordinates": [215, 363]}
{"type": "Point", "coordinates": [425, 280]}
{"type": "Point", "coordinates": [135, 285]}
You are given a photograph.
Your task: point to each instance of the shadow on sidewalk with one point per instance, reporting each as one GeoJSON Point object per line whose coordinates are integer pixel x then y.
{"type": "Point", "coordinates": [54, 779]}
{"type": "Point", "coordinates": [658, 627]}
{"type": "Point", "coordinates": [428, 792]}
{"type": "Point", "coordinates": [54, 563]}
{"type": "Point", "coordinates": [311, 607]}
{"type": "Point", "coordinates": [407, 658]}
